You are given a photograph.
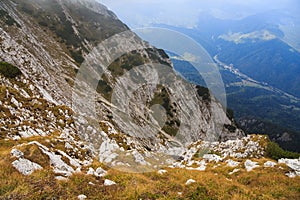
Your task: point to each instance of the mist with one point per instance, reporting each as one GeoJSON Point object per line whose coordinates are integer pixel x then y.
{"type": "Point", "coordinates": [141, 13]}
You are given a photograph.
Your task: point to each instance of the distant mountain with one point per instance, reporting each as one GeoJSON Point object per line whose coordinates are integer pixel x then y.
{"type": "Point", "coordinates": [263, 82]}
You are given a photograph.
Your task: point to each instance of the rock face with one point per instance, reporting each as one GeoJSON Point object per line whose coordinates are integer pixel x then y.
{"type": "Point", "coordinates": [54, 42]}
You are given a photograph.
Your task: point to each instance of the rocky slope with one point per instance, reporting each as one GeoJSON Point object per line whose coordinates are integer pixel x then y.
{"type": "Point", "coordinates": [49, 40]}
{"type": "Point", "coordinates": [57, 118]}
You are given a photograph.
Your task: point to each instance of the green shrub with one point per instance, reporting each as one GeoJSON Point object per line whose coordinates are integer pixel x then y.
{"type": "Point", "coordinates": [8, 70]}
{"type": "Point", "coordinates": [229, 127]}
{"type": "Point", "coordinates": [274, 151]}
{"type": "Point", "coordinates": [203, 92]}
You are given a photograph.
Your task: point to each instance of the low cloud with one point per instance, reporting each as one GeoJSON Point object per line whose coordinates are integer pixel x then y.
{"type": "Point", "coordinates": [239, 38]}
{"type": "Point", "coordinates": [188, 57]}
{"type": "Point", "coordinates": [141, 13]}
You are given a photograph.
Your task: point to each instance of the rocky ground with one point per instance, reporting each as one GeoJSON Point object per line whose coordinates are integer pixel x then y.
{"type": "Point", "coordinates": [49, 151]}
{"type": "Point", "coordinates": [38, 136]}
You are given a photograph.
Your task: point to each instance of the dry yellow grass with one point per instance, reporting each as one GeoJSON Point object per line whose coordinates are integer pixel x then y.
{"type": "Point", "coordinates": [261, 183]}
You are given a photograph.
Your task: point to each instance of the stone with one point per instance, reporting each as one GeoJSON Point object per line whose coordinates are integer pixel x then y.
{"type": "Point", "coordinates": [26, 167]}
{"type": "Point", "coordinates": [16, 153]}
{"type": "Point", "coordinates": [61, 178]}
{"type": "Point", "coordinates": [250, 165]}
{"type": "Point", "coordinates": [162, 171]}
{"type": "Point", "coordinates": [139, 158]}
{"type": "Point", "coordinates": [212, 157]}
{"type": "Point", "coordinates": [291, 163]}
{"type": "Point", "coordinates": [91, 171]}
{"type": "Point", "coordinates": [291, 174]}
{"type": "Point", "coordinates": [269, 164]}
{"type": "Point", "coordinates": [232, 163]}
{"type": "Point", "coordinates": [234, 171]}
{"type": "Point", "coordinates": [190, 181]}
{"type": "Point", "coordinates": [82, 197]}
{"type": "Point", "coordinates": [109, 182]}
{"type": "Point", "coordinates": [100, 172]}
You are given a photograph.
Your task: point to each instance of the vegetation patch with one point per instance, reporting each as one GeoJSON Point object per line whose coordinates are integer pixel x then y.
{"type": "Point", "coordinates": [274, 151]}
{"type": "Point", "coordinates": [9, 70]}
{"type": "Point", "coordinates": [8, 20]}
{"type": "Point", "coordinates": [162, 97]}
{"type": "Point", "coordinates": [104, 89]}
{"type": "Point", "coordinates": [126, 63]}
{"type": "Point", "coordinates": [231, 128]}
{"type": "Point", "coordinates": [203, 92]}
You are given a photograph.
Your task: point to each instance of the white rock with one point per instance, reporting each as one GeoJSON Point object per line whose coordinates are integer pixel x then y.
{"type": "Point", "coordinates": [100, 172]}
{"type": "Point", "coordinates": [212, 157]}
{"type": "Point", "coordinates": [82, 197]}
{"type": "Point", "coordinates": [291, 174]}
{"type": "Point", "coordinates": [91, 183]}
{"type": "Point", "coordinates": [162, 171]}
{"type": "Point", "coordinates": [91, 171]}
{"type": "Point", "coordinates": [190, 181]}
{"type": "Point", "coordinates": [16, 137]}
{"type": "Point", "coordinates": [40, 132]}
{"type": "Point", "coordinates": [106, 151]}
{"type": "Point", "coordinates": [291, 163]}
{"type": "Point", "coordinates": [200, 168]}
{"type": "Point", "coordinates": [16, 153]}
{"type": "Point", "coordinates": [109, 182]}
{"type": "Point", "coordinates": [68, 146]}
{"type": "Point", "coordinates": [232, 163]}
{"type": "Point", "coordinates": [234, 171]}
{"type": "Point", "coordinates": [269, 164]}
{"type": "Point", "coordinates": [60, 167]}
{"type": "Point", "coordinates": [61, 178]}
{"type": "Point", "coordinates": [25, 166]}
{"type": "Point", "coordinates": [249, 165]}
{"type": "Point", "coordinates": [139, 158]}
{"type": "Point", "coordinates": [15, 102]}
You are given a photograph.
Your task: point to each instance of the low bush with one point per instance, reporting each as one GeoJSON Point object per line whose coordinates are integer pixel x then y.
{"type": "Point", "coordinates": [9, 71]}
{"type": "Point", "coordinates": [274, 151]}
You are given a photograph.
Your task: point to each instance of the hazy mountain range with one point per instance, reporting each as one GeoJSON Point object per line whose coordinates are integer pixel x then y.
{"type": "Point", "coordinates": [260, 70]}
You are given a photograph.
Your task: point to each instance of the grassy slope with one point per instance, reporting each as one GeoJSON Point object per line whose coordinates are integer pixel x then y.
{"type": "Point", "coordinates": [215, 183]}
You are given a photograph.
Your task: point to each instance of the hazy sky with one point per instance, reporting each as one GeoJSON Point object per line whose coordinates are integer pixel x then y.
{"type": "Point", "coordinates": [137, 13]}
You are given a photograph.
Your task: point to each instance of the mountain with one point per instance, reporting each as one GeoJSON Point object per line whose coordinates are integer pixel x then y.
{"type": "Point", "coordinates": [89, 110]}
{"type": "Point", "coordinates": [60, 46]}
{"type": "Point", "coordinates": [260, 71]}
{"type": "Point", "coordinates": [71, 31]}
